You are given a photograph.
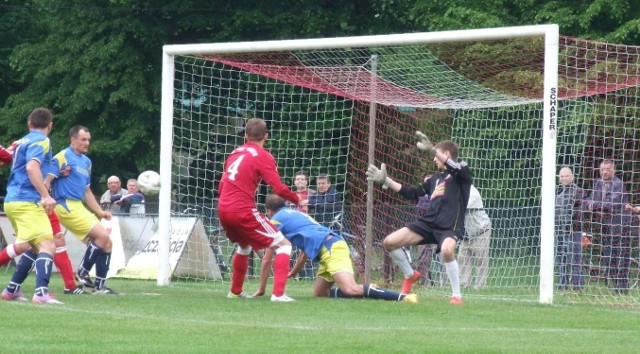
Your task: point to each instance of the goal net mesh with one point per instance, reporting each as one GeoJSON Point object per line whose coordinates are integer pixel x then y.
{"type": "Point", "coordinates": [486, 96]}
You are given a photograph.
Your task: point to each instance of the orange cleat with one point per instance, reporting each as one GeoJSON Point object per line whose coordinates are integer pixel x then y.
{"type": "Point", "coordinates": [408, 282]}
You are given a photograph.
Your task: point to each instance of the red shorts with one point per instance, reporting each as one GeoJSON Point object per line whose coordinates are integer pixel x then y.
{"type": "Point", "coordinates": [249, 229]}
{"type": "Point", "coordinates": [55, 223]}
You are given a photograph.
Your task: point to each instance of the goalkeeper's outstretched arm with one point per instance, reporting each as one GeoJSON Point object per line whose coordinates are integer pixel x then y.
{"type": "Point", "coordinates": [393, 185]}
{"type": "Point", "coordinates": [379, 175]}
{"type": "Point", "coordinates": [425, 145]}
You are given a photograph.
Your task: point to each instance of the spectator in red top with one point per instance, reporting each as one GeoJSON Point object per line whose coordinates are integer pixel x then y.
{"type": "Point", "coordinates": [303, 191]}
{"type": "Point", "coordinates": [243, 224]}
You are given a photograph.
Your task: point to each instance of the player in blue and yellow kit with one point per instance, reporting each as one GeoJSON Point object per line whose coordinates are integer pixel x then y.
{"type": "Point", "coordinates": [328, 248]}
{"type": "Point", "coordinates": [70, 191]}
{"type": "Point", "coordinates": [27, 204]}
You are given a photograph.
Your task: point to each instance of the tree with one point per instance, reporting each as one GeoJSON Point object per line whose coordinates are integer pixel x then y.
{"type": "Point", "coordinates": [99, 64]}
{"type": "Point", "coordinates": [92, 68]}
{"type": "Point", "coordinates": [617, 21]}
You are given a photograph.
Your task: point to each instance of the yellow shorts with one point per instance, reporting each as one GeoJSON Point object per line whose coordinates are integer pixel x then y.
{"type": "Point", "coordinates": [334, 260]}
{"type": "Point", "coordinates": [30, 222]}
{"type": "Point", "coordinates": [75, 217]}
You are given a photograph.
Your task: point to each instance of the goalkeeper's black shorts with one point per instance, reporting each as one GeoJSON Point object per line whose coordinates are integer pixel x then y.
{"type": "Point", "coordinates": [433, 236]}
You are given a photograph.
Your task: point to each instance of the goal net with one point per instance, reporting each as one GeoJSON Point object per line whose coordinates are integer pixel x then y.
{"type": "Point", "coordinates": [333, 107]}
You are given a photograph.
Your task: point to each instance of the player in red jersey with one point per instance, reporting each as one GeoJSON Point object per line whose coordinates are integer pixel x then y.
{"type": "Point", "coordinates": [243, 170]}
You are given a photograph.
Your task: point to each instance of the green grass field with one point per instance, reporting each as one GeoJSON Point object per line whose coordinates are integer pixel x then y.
{"type": "Point", "coordinates": [197, 317]}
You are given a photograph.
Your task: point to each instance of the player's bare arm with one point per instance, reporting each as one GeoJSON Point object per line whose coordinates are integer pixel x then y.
{"type": "Point", "coordinates": [92, 203]}
{"type": "Point", "coordinates": [265, 268]}
{"type": "Point", "coordinates": [48, 180]}
{"type": "Point", "coordinates": [302, 257]}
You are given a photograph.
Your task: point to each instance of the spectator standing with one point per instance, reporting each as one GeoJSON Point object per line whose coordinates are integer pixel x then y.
{"type": "Point", "coordinates": [474, 250]}
{"type": "Point", "coordinates": [302, 190]}
{"type": "Point", "coordinates": [326, 203]}
{"type": "Point", "coordinates": [568, 232]}
{"type": "Point", "coordinates": [606, 203]}
{"type": "Point", "coordinates": [114, 193]}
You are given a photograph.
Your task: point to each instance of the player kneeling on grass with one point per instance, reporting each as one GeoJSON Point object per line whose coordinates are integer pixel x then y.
{"type": "Point", "coordinates": [324, 246]}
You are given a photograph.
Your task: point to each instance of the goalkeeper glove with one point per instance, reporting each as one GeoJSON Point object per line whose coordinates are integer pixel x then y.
{"type": "Point", "coordinates": [378, 175]}
{"type": "Point", "coordinates": [424, 143]}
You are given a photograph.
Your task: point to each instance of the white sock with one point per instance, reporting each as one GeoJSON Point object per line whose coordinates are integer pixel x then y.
{"type": "Point", "coordinates": [400, 259]}
{"type": "Point", "coordinates": [11, 250]}
{"type": "Point", "coordinates": [454, 277]}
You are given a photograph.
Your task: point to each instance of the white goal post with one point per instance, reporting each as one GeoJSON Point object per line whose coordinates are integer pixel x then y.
{"type": "Point", "coordinates": [549, 123]}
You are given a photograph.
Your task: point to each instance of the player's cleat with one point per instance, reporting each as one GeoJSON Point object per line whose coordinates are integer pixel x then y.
{"type": "Point", "coordinates": [46, 299]}
{"type": "Point", "coordinates": [456, 300]}
{"type": "Point", "coordinates": [242, 295]}
{"type": "Point", "coordinates": [411, 298]}
{"type": "Point", "coordinates": [78, 290]}
{"type": "Point", "coordinates": [105, 291]}
{"type": "Point", "coordinates": [16, 296]}
{"type": "Point", "coordinates": [408, 282]}
{"type": "Point", "coordinates": [283, 298]}
{"type": "Point", "coordinates": [85, 281]}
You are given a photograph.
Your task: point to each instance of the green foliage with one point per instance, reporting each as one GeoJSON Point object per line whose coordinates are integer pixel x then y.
{"type": "Point", "coordinates": [87, 69]}
{"type": "Point", "coordinates": [99, 63]}
{"type": "Point", "coordinates": [615, 21]}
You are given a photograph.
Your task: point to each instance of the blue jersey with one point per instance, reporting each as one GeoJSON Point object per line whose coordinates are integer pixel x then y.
{"type": "Point", "coordinates": [75, 184]}
{"type": "Point", "coordinates": [303, 231]}
{"type": "Point", "coordinates": [34, 146]}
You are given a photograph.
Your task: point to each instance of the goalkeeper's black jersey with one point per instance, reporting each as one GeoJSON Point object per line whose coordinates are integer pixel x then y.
{"type": "Point", "coordinates": [448, 196]}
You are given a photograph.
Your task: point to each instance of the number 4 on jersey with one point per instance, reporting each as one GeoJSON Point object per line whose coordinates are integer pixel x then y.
{"type": "Point", "coordinates": [233, 168]}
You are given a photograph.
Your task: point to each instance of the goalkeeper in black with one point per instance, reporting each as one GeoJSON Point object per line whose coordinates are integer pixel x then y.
{"type": "Point", "coordinates": [443, 223]}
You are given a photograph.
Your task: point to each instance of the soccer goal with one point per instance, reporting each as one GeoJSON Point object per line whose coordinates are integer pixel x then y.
{"type": "Point", "coordinates": [520, 102]}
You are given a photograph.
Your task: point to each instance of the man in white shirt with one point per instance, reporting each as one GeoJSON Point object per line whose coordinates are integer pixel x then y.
{"type": "Point", "coordinates": [474, 250]}
{"type": "Point", "coordinates": [113, 194]}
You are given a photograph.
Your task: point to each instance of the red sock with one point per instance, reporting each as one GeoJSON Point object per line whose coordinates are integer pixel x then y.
{"type": "Point", "coordinates": [280, 271]}
{"type": "Point", "coordinates": [63, 263]}
{"type": "Point", "coordinates": [5, 258]}
{"type": "Point", "coordinates": [240, 266]}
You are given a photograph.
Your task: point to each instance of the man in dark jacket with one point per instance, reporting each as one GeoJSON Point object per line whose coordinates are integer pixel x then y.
{"type": "Point", "coordinates": [326, 203]}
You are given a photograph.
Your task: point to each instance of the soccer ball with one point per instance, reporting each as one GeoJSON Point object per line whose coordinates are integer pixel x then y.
{"type": "Point", "coordinates": [149, 182]}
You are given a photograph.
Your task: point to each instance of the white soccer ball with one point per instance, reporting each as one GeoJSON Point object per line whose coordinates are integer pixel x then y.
{"type": "Point", "coordinates": [149, 182]}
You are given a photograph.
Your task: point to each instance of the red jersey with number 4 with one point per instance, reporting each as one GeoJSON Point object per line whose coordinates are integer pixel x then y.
{"type": "Point", "coordinates": [244, 169]}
